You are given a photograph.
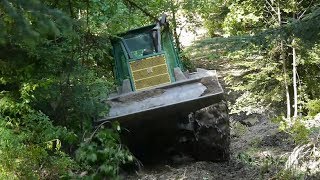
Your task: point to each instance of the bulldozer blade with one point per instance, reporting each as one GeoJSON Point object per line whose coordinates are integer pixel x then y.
{"type": "Point", "coordinates": [201, 89]}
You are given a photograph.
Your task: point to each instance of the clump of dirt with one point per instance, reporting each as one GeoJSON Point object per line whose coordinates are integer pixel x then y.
{"type": "Point", "coordinates": [278, 139]}
{"type": "Point", "coordinates": [252, 135]}
{"type": "Point", "coordinates": [212, 85]}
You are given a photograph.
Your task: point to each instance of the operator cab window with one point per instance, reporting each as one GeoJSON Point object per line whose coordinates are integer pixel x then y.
{"type": "Point", "coordinates": [140, 45]}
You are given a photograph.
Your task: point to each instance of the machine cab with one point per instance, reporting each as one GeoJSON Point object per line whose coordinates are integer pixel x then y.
{"type": "Point", "coordinates": [145, 58]}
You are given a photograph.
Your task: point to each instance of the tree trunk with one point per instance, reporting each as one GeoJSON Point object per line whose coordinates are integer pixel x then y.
{"type": "Point", "coordinates": [286, 83]}
{"type": "Point", "coordinates": [284, 69]}
{"type": "Point", "coordinates": [294, 77]}
{"type": "Point", "coordinates": [174, 23]}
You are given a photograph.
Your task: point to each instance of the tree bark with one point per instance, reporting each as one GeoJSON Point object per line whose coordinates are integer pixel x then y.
{"type": "Point", "coordinates": [294, 77]}
{"type": "Point", "coordinates": [284, 68]}
{"type": "Point", "coordinates": [71, 9]}
{"type": "Point", "coordinates": [286, 85]}
{"type": "Point", "coordinates": [174, 23]}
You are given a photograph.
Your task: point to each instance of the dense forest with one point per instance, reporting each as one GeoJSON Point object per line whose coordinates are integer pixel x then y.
{"type": "Point", "coordinates": [56, 67]}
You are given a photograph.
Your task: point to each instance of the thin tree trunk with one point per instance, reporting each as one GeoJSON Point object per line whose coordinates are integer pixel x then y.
{"type": "Point", "coordinates": [70, 9]}
{"type": "Point", "coordinates": [284, 69]}
{"type": "Point", "coordinates": [294, 77]}
{"type": "Point", "coordinates": [286, 87]}
{"type": "Point", "coordinates": [174, 23]}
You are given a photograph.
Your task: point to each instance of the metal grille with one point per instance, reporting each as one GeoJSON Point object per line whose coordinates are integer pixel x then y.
{"type": "Point", "coordinates": [149, 72]}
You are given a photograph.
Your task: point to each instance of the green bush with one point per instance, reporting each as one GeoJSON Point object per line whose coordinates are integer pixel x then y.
{"type": "Point", "coordinates": [103, 154]}
{"type": "Point", "coordinates": [30, 146]}
{"type": "Point", "coordinates": [313, 107]}
{"type": "Point", "coordinates": [300, 132]}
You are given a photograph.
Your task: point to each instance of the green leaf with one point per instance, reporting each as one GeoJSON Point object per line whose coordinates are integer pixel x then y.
{"type": "Point", "coordinates": [92, 157]}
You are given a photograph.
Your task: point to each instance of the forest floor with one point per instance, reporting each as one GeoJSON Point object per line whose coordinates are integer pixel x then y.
{"type": "Point", "coordinates": [257, 147]}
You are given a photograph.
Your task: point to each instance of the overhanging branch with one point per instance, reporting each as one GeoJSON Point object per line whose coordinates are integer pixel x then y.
{"type": "Point", "coordinates": [135, 5]}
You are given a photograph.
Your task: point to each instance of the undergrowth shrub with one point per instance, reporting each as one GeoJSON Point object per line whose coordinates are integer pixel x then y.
{"type": "Point", "coordinates": [303, 162]}
{"type": "Point", "coordinates": [313, 107]}
{"type": "Point", "coordinates": [30, 146]}
{"type": "Point", "coordinates": [296, 128]}
{"type": "Point", "coordinates": [102, 154]}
